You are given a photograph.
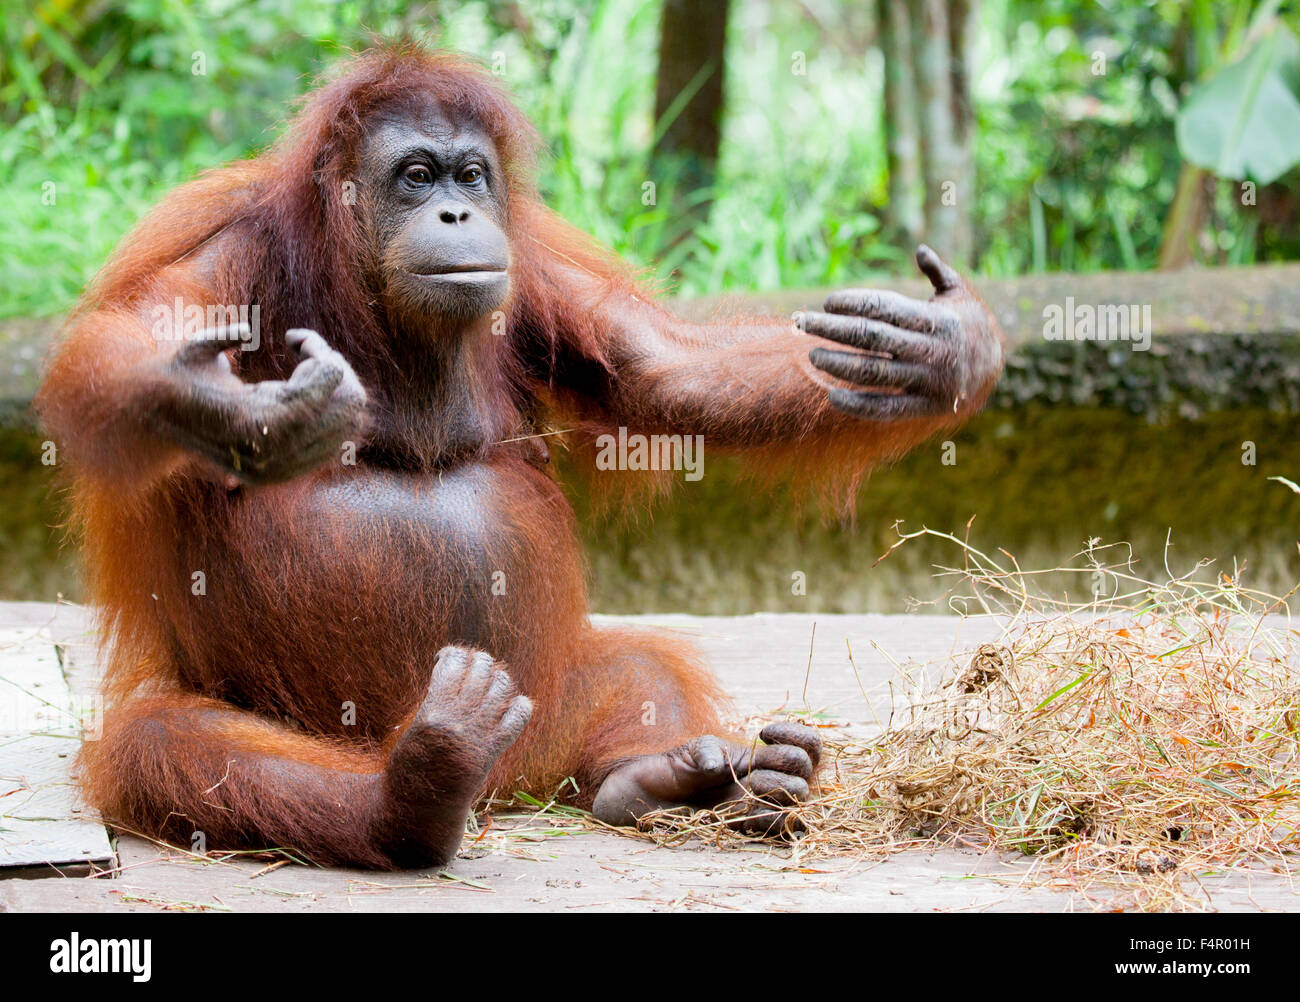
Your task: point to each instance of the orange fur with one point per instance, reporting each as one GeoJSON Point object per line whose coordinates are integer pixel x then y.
{"type": "Point", "coordinates": [225, 707]}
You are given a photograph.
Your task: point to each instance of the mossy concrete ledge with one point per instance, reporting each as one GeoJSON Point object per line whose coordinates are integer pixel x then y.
{"type": "Point", "coordinates": [1221, 339]}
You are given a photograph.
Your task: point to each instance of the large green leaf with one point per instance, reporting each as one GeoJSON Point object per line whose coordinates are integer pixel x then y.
{"type": "Point", "coordinates": [1245, 120]}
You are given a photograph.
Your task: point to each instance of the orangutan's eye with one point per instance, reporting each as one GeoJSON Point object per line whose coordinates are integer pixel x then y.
{"type": "Point", "coordinates": [418, 174]}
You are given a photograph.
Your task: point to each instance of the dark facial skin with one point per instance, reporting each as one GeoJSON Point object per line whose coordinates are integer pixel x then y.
{"type": "Point", "coordinates": [436, 192]}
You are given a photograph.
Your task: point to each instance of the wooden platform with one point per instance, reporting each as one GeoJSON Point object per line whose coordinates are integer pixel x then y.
{"type": "Point", "coordinates": [48, 674]}
{"type": "Point", "coordinates": [43, 829]}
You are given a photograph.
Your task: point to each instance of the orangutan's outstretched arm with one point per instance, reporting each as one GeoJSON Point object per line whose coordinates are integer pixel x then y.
{"type": "Point", "coordinates": [823, 393]}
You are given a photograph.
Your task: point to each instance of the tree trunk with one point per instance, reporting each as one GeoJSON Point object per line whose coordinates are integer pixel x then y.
{"type": "Point", "coordinates": [963, 18]}
{"type": "Point", "coordinates": [906, 183]}
{"type": "Point", "coordinates": [1183, 225]}
{"type": "Point", "coordinates": [946, 131]}
{"type": "Point", "coordinates": [688, 99]}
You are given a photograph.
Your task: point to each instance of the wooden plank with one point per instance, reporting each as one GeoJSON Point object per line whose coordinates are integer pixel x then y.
{"type": "Point", "coordinates": [44, 831]}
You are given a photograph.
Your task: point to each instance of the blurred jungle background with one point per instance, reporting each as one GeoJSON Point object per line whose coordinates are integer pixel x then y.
{"type": "Point", "coordinates": [792, 144]}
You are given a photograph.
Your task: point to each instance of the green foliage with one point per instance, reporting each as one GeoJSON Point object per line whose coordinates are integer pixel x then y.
{"type": "Point", "coordinates": [1245, 120]}
{"type": "Point", "coordinates": [1076, 159]}
{"type": "Point", "coordinates": [105, 106]}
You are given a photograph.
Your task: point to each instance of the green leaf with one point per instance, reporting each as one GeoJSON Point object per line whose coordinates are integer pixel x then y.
{"type": "Point", "coordinates": [1245, 120]}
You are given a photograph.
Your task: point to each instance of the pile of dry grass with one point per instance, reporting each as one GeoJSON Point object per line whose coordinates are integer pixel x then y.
{"type": "Point", "coordinates": [1130, 743]}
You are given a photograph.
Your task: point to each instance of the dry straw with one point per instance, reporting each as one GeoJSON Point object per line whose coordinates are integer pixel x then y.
{"type": "Point", "coordinates": [1130, 744]}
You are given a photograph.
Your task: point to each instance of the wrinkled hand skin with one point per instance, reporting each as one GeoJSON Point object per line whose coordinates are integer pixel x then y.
{"type": "Point", "coordinates": [709, 772]}
{"type": "Point", "coordinates": [943, 355]}
{"type": "Point", "coordinates": [259, 433]}
{"type": "Point", "coordinates": [471, 713]}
